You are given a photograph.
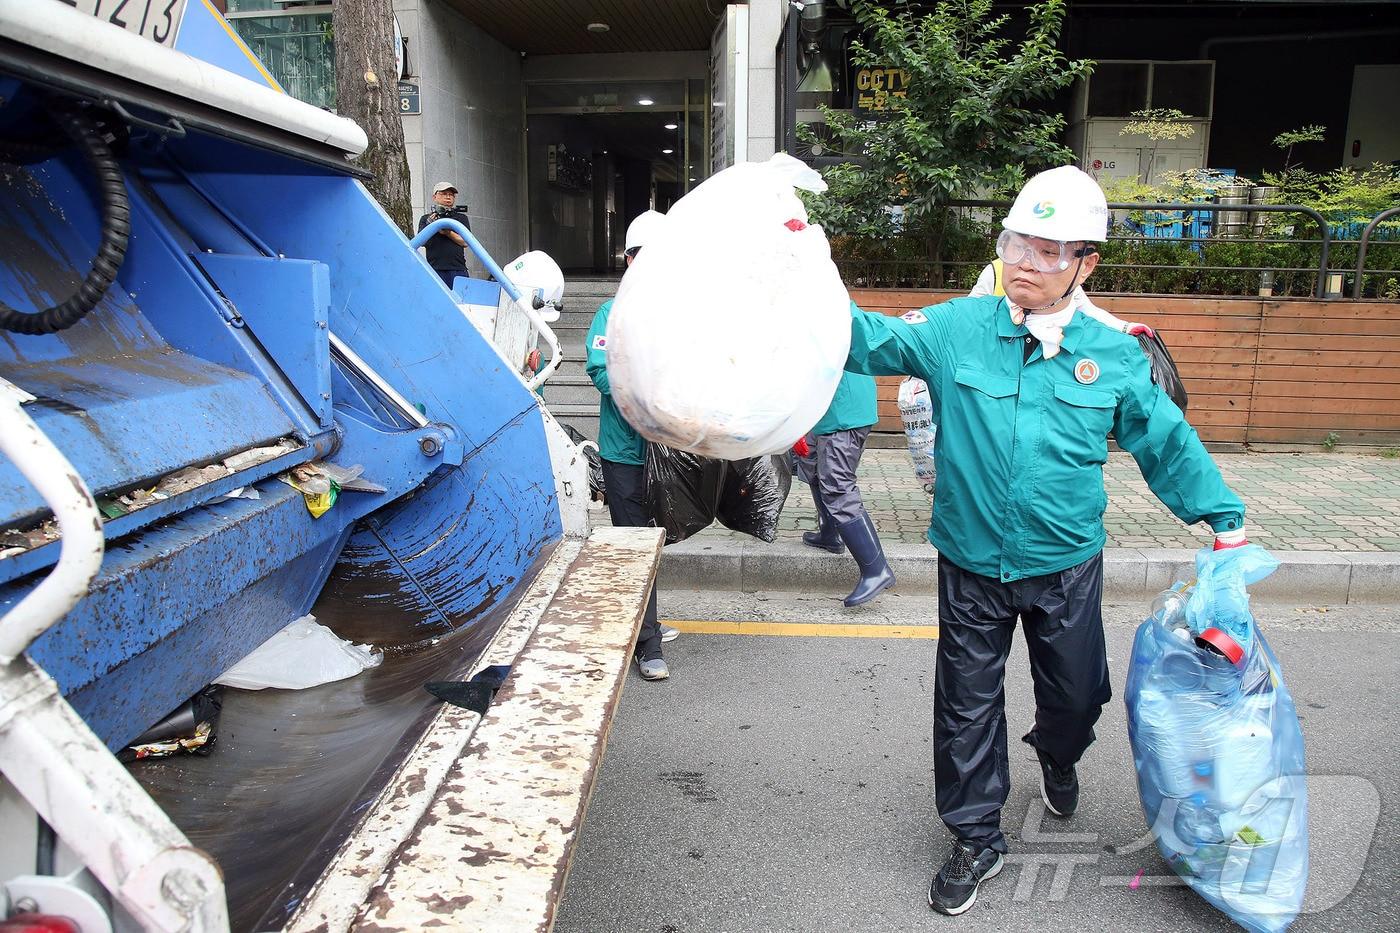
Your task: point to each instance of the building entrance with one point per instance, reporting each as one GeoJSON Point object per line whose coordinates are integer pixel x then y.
{"type": "Point", "coordinates": [600, 153]}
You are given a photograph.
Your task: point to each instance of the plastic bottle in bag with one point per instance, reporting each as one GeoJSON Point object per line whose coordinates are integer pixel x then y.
{"type": "Point", "coordinates": [916, 411]}
{"type": "Point", "coordinates": [1249, 740]}
{"type": "Point", "coordinates": [1197, 822]}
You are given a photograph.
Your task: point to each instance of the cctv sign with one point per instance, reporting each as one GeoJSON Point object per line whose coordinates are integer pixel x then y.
{"type": "Point", "coordinates": [875, 86]}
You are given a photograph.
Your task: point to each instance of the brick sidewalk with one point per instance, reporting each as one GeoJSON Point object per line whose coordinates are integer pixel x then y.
{"type": "Point", "coordinates": [1295, 502]}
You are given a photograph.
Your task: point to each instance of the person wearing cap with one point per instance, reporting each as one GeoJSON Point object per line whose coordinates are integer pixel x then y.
{"type": "Point", "coordinates": [446, 251]}
{"type": "Point", "coordinates": [1025, 390]}
{"type": "Point", "coordinates": [833, 449]}
{"type": "Point", "coordinates": [623, 454]}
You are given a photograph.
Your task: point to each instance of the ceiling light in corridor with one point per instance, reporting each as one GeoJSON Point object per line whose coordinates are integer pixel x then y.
{"type": "Point", "coordinates": [671, 126]}
{"type": "Point", "coordinates": [667, 151]}
{"type": "Point", "coordinates": [645, 101]}
{"type": "Point", "coordinates": [598, 27]}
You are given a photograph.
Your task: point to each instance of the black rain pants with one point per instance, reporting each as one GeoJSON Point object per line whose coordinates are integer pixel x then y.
{"type": "Point", "coordinates": [1062, 617]}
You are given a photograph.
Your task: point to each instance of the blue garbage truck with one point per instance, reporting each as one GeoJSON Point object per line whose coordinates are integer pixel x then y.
{"type": "Point", "coordinates": [232, 396]}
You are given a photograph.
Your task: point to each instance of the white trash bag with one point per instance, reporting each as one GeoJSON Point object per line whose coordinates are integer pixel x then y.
{"type": "Point", "coordinates": [916, 411]}
{"type": "Point", "coordinates": [730, 330]}
{"type": "Point", "coordinates": [304, 654]}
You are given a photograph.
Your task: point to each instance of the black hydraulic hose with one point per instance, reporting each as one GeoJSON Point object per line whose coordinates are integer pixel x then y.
{"type": "Point", "coordinates": [116, 228]}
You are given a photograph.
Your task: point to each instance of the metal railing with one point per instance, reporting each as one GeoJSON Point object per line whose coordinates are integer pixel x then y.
{"type": "Point", "coordinates": [1274, 268]}
{"type": "Point", "coordinates": [1361, 248]}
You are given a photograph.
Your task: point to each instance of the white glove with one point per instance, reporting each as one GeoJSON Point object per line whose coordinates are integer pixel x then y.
{"type": "Point", "coordinates": [1228, 539]}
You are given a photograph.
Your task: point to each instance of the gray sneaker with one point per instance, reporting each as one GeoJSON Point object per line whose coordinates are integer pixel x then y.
{"type": "Point", "coordinates": [655, 669]}
{"type": "Point", "coordinates": [669, 634]}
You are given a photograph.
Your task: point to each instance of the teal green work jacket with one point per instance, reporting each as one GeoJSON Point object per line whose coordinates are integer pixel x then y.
{"type": "Point", "coordinates": [1022, 442]}
{"type": "Point", "coordinates": [617, 441]}
{"type": "Point", "coordinates": [853, 405]}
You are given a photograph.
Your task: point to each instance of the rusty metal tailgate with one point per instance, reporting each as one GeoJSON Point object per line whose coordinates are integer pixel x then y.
{"type": "Point", "coordinates": [477, 828]}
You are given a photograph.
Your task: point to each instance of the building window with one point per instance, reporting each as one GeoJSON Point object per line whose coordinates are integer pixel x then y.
{"type": "Point", "coordinates": [294, 42]}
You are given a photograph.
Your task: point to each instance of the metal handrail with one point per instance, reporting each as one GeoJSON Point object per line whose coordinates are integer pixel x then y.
{"type": "Point", "coordinates": [1361, 249]}
{"type": "Point", "coordinates": [526, 302]}
{"type": "Point", "coordinates": [1320, 291]}
{"type": "Point", "coordinates": [79, 526]}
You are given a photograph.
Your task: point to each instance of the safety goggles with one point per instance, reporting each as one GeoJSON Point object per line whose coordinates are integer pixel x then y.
{"type": "Point", "coordinates": [1047, 256]}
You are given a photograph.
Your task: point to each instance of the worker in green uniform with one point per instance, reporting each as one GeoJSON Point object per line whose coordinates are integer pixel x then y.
{"type": "Point", "coordinates": [1025, 390]}
{"type": "Point", "coordinates": [623, 454]}
{"type": "Point", "coordinates": [834, 447]}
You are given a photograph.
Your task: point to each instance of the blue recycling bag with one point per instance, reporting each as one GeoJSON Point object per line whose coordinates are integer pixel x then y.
{"type": "Point", "coordinates": [1217, 745]}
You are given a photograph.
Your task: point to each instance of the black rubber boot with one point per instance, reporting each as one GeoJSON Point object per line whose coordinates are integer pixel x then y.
{"type": "Point", "coordinates": [826, 536]}
{"type": "Point", "coordinates": [875, 573]}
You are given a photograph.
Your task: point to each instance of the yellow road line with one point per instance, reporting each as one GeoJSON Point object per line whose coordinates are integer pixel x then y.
{"type": "Point", "coordinates": [833, 630]}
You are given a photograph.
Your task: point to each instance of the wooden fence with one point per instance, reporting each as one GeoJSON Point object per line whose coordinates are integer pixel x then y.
{"type": "Point", "coordinates": [1258, 371]}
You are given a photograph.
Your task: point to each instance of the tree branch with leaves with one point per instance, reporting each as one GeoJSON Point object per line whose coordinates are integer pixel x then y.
{"type": "Point", "coordinates": [970, 122]}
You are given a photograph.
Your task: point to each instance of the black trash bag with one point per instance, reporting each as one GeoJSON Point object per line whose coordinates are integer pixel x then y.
{"type": "Point", "coordinates": [596, 487]}
{"type": "Point", "coordinates": [190, 728]}
{"type": "Point", "coordinates": [1164, 371]}
{"type": "Point", "coordinates": [683, 490]}
{"type": "Point", "coordinates": [752, 497]}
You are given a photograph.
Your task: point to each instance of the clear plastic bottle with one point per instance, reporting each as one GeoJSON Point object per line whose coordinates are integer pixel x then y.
{"type": "Point", "coordinates": [1197, 822]}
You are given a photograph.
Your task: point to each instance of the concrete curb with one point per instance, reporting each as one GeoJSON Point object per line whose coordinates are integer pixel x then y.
{"type": "Point", "coordinates": [1317, 578]}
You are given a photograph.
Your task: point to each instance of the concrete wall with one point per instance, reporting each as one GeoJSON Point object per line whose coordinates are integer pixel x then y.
{"type": "Point", "coordinates": [472, 127]}
{"type": "Point", "coordinates": [766, 18]}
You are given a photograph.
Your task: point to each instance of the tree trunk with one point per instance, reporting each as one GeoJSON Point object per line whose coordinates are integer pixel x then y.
{"type": "Point", "coordinates": [367, 92]}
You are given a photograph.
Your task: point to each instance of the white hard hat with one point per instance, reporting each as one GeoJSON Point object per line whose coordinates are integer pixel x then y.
{"type": "Point", "coordinates": [643, 228]}
{"type": "Point", "coordinates": [536, 271]}
{"type": "Point", "coordinates": [1062, 204]}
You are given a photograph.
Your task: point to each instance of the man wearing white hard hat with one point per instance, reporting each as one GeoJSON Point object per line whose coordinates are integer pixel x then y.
{"type": "Point", "coordinates": [1025, 390]}
{"type": "Point", "coordinates": [623, 452]}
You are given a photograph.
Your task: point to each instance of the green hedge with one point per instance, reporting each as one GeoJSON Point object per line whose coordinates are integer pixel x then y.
{"type": "Point", "coordinates": [1126, 264]}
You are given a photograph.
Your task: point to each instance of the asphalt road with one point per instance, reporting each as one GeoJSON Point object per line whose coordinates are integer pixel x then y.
{"type": "Point", "coordinates": [781, 783]}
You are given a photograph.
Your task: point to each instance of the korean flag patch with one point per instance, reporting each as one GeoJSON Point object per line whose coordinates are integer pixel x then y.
{"type": "Point", "coordinates": [913, 317]}
{"type": "Point", "coordinates": [600, 342]}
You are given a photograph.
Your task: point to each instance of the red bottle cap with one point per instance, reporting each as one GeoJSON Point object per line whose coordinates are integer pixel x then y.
{"type": "Point", "coordinates": [1218, 641]}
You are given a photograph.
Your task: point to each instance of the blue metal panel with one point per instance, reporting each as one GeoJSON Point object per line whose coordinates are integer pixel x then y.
{"type": "Point", "coordinates": [20, 565]}
{"type": "Point", "coordinates": [183, 602]}
{"type": "Point", "coordinates": [205, 35]}
{"type": "Point", "coordinates": [394, 313]}
{"type": "Point", "coordinates": [178, 603]}
{"type": "Point", "coordinates": [285, 303]}
{"type": "Point", "coordinates": [134, 418]}
{"type": "Point", "coordinates": [180, 303]}
{"type": "Point", "coordinates": [384, 301]}
{"type": "Point", "coordinates": [457, 547]}
{"type": "Point", "coordinates": [117, 399]}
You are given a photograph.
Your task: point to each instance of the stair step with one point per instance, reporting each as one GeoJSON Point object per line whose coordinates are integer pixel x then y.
{"type": "Point", "coordinates": [566, 393]}
{"type": "Point", "coordinates": [569, 373]}
{"type": "Point", "coordinates": [587, 425]}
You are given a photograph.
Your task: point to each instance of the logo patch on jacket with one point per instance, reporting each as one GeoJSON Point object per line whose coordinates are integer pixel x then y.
{"type": "Point", "coordinates": [600, 342]}
{"type": "Point", "coordinates": [1086, 371]}
{"type": "Point", "coordinates": [913, 317]}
